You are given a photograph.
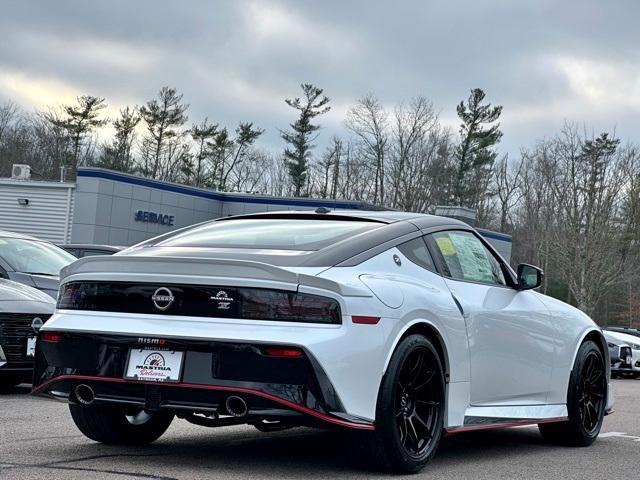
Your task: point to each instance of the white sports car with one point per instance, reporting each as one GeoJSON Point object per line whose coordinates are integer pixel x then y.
{"type": "Point", "coordinates": [396, 326]}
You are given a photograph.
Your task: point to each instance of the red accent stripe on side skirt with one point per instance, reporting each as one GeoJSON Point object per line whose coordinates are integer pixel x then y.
{"type": "Point", "coordinates": [498, 426]}
{"type": "Point", "coordinates": [327, 418]}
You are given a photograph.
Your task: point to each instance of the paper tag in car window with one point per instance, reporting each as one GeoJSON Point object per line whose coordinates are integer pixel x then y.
{"type": "Point", "coordinates": [446, 246]}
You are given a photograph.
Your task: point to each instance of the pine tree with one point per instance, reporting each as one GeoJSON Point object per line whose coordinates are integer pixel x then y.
{"type": "Point", "coordinates": [475, 154]}
{"type": "Point", "coordinates": [161, 147]}
{"type": "Point", "coordinates": [118, 154]}
{"type": "Point", "coordinates": [302, 134]}
{"type": "Point", "coordinates": [203, 136]}
{"type": "Point", "coordinates": [79, 121]}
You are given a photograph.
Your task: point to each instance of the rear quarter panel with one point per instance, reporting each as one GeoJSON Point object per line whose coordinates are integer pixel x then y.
{"type": "Point", "coordinates": [413, 295]}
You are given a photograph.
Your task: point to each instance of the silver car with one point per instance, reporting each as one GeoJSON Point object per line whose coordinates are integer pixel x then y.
{"type": "Point", "coordinates": [23, 310]}
{"type": "Point", "coordinates": [31, 261]}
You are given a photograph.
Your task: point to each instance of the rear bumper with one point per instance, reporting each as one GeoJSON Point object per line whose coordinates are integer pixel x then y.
{"type": "Point", "coordinates": [295, 389]}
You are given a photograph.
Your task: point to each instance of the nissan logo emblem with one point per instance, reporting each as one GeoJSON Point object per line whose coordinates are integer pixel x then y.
{"type": "Point", "coordinates": [37, 323]}
{"type": "Point", "coordinates": [163, 298]}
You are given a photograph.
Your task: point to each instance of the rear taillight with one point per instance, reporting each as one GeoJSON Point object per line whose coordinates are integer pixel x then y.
{"type": "Point", "coordinates": [51, 337]}
{"type": "Point", "coordinates": [200, 301]}
{"type": "Point", "coordinates": [261, 304]}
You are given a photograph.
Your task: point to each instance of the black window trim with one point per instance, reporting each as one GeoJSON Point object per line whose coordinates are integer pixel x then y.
{"type": "Point", "coordinates": [424, 242]}
{"type": "Point", "coordinates": [507, 271]}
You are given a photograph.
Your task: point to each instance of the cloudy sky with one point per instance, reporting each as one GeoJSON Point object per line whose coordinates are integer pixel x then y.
{"type": "Point", "coordinates": [545, 60]}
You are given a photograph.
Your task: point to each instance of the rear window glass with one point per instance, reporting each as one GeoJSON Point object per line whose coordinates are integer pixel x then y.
{"type": "Point", "coordinates": [277, 234]}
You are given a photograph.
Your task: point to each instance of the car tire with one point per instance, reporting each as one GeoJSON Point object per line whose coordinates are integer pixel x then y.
{"type": "Point", "coordinates": [586, 401]}
{"type": "Point", "coordinates": [112, 425]}
{"type": "Point", "coordinates": [409, 413]}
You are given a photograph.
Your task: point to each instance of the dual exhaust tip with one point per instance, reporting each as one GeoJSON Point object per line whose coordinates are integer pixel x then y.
{"type": "Point", "coordinates": [235, 406]}
{"type": "Point", "coordinates": [84, 394]}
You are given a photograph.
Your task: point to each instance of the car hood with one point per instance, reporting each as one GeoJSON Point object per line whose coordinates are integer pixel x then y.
{"type": "Point", "coordinates": [18, 298]}
{"type": "Point", "coordinates": [622, 337]}
{"type": "Point", "coordinates": [46, 282]}
{"type": "Point", "coordinates": [558, 307]}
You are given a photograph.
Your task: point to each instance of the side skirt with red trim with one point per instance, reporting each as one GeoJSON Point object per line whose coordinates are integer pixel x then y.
{"type": "Point", "coordinates": [501, 425]}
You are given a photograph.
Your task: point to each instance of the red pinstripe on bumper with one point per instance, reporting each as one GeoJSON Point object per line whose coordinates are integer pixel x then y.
{"type": "Point", "coordinates": [294, 406]}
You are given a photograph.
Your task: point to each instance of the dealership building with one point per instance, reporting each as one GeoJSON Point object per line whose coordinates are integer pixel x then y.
{"type": "Point", "coordinates": [105, 207]}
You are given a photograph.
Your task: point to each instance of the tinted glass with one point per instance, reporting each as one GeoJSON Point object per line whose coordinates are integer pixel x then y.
{"type": "Point", "coordinates": [466, 258]}
{"type": "Point", "coordinates": [269, 234]}
{"type": "Point", "coordinates": [93, 253]}
{"type": "Point", "coordinates": [416, 251]}
{"type": "Point", "coordinates": [31, 256]}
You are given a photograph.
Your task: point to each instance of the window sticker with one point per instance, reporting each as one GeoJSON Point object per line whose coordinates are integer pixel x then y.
{"type": "Point", "coordinates": [446, 246]}
{"type": "Point", "coordinates": [473, 258]}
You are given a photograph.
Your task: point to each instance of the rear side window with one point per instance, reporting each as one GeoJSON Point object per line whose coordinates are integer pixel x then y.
{"type": "Point", "coordinates": [416, 251]}
{"type": "Point", "coordinates": [278, 234]}
{"type": "Point", "coordinates": [466, 258]}
{"type": "Point", "coordinates": [95, 253]}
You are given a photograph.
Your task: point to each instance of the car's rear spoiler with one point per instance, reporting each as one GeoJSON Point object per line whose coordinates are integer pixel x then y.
{"type": "Point", "coordinates": [189, 270]}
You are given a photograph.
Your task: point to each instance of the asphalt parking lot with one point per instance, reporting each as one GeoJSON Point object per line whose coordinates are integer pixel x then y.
{"type": "Point", "coordinates": [38, 440]}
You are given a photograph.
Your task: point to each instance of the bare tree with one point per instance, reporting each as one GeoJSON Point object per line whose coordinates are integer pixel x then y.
{"type": "Point", "coordinates": [507, 188]}
{"type": "Point", "coordinates": [368, 121]}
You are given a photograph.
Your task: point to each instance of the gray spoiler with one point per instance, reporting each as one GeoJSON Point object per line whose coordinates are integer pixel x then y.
{"type": "Point", "coordinates": [194, 270]}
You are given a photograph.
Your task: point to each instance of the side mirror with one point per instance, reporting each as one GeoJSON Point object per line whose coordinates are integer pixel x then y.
{"type": "Point", "coordinates": [529, 277]}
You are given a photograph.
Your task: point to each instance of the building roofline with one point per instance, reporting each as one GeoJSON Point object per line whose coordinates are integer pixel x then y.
{"type": "Point", "coordinates": [35, 183]}
{"type": "Point", "coordinates": [93, 172]}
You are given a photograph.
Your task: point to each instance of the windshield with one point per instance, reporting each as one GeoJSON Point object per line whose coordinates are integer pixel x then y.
{"type": "Point", "coordinates": [35, 257]}
{"type": "Point", "coordinates": [277, 234]}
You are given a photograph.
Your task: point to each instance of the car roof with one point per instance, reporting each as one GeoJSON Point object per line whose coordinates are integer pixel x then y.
{"type": "Point", "coordinates": [395, 228]}
{"type": "Point", "coordinates": [7, 234]}
{"type": "Point", "coordinates": [90, 246]}
{"type": "Point", "coordinates": [421, 220]}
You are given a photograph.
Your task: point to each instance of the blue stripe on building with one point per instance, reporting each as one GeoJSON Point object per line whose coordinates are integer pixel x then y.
{"type": "Point", "coordinates": [220, 196]}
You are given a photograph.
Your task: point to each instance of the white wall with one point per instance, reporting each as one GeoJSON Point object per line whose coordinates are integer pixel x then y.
{"type": "Point", "coordinates": [48, 213]}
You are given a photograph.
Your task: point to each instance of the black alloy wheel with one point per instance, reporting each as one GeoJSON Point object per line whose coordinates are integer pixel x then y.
{"type": "Point", "coordinates": [417, 403]}
{"type": "Point", "coordinates": [592, 392]}
{"type": "Point", "coordinates": [409, 412]}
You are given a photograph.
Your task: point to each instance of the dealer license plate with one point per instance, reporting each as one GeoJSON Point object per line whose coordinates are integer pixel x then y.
{"type": "Point", "coordinates": [31, 347]}
{"type": "Point", "coordinates": [154, 365]}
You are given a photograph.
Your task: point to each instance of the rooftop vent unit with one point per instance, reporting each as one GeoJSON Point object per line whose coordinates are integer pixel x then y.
{"type": "Point", "coordinates": [20, 172]}
{"type": "Point", "coordinates": [467, 215]}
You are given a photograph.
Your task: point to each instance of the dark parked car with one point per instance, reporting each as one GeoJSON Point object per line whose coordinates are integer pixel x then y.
{"type": "Point", "coordinates": [32, 261]}
{"type": "Point", "coordinates": [80, 250]}
{"type": "Point", "coordinates": [23, 310]}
